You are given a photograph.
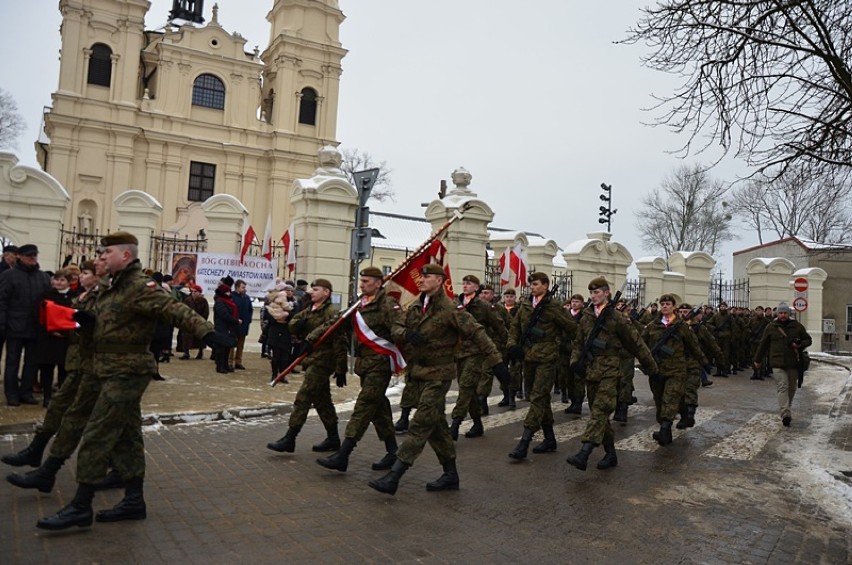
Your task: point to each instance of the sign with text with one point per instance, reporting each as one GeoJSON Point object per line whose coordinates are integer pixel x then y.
{"type": "Point", "coordinates": [205, 269]}
{"type": "Point", "coordinates": [800, 304]}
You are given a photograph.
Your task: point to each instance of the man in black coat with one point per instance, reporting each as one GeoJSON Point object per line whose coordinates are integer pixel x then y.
{"type": "Point", "coordinates": [21, 291]}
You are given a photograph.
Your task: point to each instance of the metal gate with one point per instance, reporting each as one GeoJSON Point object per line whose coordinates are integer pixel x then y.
{"type": "Point", "coordinates": [76, 246]}
{"type": "Point", "coordinates": [733, 292]}
{"type": "Point", "coordinates": [162, 247]}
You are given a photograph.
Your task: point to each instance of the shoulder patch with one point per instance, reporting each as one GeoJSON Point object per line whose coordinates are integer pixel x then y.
{"type": "Point", "coordinates": [460, 307]}
{"type": "Point", "coordinates": [150, 284]}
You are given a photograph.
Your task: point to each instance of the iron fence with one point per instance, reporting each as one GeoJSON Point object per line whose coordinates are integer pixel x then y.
{"type": "Point", "coordinates": [78, 246]}
{"type": "Point", "coordinates": [492, 277]}
{"type": "Point", "coordinates": [733, 292]}
{"type": "Point", "coordinates": [162, 247]}
{"type": "Point", "coordinates": [634, 289]}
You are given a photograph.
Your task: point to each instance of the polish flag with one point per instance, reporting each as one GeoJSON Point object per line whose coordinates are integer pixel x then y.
{"type": "Point", "coordinates": [505, 267]}
{"type": "Point", "coordinates": [266, 246]}
{"type": "Point", "coordinates": [518, 265]}
{"type": "Point", "coordinates": [289, 240]}
{"type": "Point", "coordinates": [248, 238]}
{"type": "Point", "coordinates": [404, 286]}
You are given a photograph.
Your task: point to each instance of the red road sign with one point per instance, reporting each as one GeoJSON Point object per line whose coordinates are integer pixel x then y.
{"type": "Point", "coordinates": [800, 284]}
{"type": "Point", "coordinates": [800, 304]}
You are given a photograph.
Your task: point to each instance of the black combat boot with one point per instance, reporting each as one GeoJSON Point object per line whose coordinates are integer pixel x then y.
{"type": "Point", "coordinates": [30, 455]}
{"type": "Point", "coordinates": [286, 443]}
{"type": "Point", "coordinates": [448, 481]}
{"type": "Point", "coordinates": [386, 462]}
{"type": "Point", "coordinates": [42, 478]}
{"type": "Point", "coordinates": [576, 406]}
{"type": "Point", "coordinates": [564, 396]}
{"type": "Point", "coordinates": [483, 405]}
{"type": "Point", "coordinates": [476, 430]}
{"type": "Point", "coordinates": [512, 396]}
{"type": "Point", "coordinates": [683, 422]}
{"type": "Point", "coordinates": [339, 461]}
{"type": "Point", "coordinates": [505, 401]}
{"type": "Point", "coordinates": [549, 443]}
{"type": "Point", "coordinates": [112, 480]}
{"type": "Point", "coordinates": [610, 459]}
{"type": "Point", "coordinates": [401, 425]}
{"type": "Point", "coordinates": [690, 415]}
{"type": "Point", "coordinates": [664, 436]}
{"type": "Point", "coordinates": [77, 513]}
{"type": "Point", "coordinates": [390, 482]}
{"type": "Point", "coordinates": [131, 507]}
{"type": "Point", "coordinates": [581, 459]}
{"type": "Point", "coordinates": [520, 451]}
{"type": "Point", "coordinates": [331, 442]}
{"type": "Point", "coordinates": [620, 412]}
{"type": "Point", "coordinates": [454, 428]}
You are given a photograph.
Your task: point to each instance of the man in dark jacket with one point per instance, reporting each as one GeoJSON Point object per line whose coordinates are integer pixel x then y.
{"type": "Point", "coordinates": [245, 312]}
{"type": "Point", "coordinates": [21, 291]}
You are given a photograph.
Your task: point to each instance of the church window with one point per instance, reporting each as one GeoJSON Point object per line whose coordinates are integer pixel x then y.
{"type": "Point", "coordinates": [100, 65]}
{"type": "Point", "coordinates": [208, 91]}
{"type": "Point", "coordinates": [202, 178]}
{"type": "Point", "coordinates": [308, 107]}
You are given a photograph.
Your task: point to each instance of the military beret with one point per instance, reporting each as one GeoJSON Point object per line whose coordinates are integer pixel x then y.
{"type": "Point", "coordinates": [471, 278]}
{"type": "Point", "coordinates": [577, 297]}
{"type": "Point", "coordinates": [598, 282]}
{"type": "Point", "coordinates": [28, 249]}
{"type": "Point", "coordinates": [723, 303]}
{"type": "Point", "coordinates": [783, 307]}
{"type": "Point", "coordinates": [119, 238]}
{"type": "Point", "coordinates": [488, 287]}
{"type": "Point", "coordinates": [10, 249]}
{"type": "Point", "coordinates": [88, 266]}
{"type": "Point", "coordinates": [372, 272]}
{"type": "Point", "coordinates": [668, 298]}
{"type": "Point", "coordinates": [685, 306]}
{"type": "Point", "coordinates": [432, 269]}
{"type": "Point", "coordinates": [509, 291]}
{"type": "Point", "coordinates": [325, 283]}
{"type": "Point", "coordinates": [539, 276]}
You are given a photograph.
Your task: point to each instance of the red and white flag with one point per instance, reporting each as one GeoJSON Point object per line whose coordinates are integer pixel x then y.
{"type": "Point", "coordinates": [518, 265]}
{"type": "Point", "coordinates": [266, 245]}
{"type": "Point", "coordinates": [289, 242]}
{"type": "Point", "coordinates": [404, 286]}
{"type": "Point", "coordinates": [248, 238]}
{"type": "Point", "coordinates": [505, 267]}
{"type": "Point", "coordinates": [378, 344]}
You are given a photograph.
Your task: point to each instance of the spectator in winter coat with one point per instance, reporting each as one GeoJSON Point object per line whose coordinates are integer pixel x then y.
{"type": "Point", "coordinates": [226, 322]}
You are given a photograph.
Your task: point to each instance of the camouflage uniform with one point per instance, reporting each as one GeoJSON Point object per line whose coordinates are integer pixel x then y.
{"type": "Point", "coordinates": [515, 368]}
{"type": "Point", "coordinates": [499, 333]}
{"type": "Point", "coordinates": [757, 325]}
{"type": "Point", "coordinates": [432, 368]}
{"type": "Point", "coordinates": [574, 384]}
{"type": "Point", "coordinates": [126, 314]}
{"type": "Point", "coordinates": [721, 324]}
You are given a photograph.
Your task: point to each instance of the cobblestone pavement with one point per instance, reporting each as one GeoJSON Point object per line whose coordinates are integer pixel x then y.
{"type": "Point", "coordinates": [737, 488]}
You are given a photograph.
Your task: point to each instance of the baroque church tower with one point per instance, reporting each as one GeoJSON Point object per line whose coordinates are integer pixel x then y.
{"type": "Point", "coordinates": [186, 111]}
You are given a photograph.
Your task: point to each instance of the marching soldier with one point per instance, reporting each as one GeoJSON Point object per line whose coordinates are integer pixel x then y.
{"type": "Point", "coordinates": [721, 324]}
{"type": "Point", "coordinates": [574, 383]}
{"type": "Point", "coordinates": [537, 331]}
{"type": "Point", "coordinates": [430, 328]}
{"type": "Point", "coordinates": [376, 359]}
{"type": "Point", "coordinates": [329, 357]}
{"type": "Point", "coordinates": [689, 400]}
{"type": "Point", "coordinates": [498, 335]}
{"type": "Point", "coordinates": [515, 387]}
{"type": "Point", "coordinates": [469, 359]}
{"type": "Point", "coordinates": [757, 325]}
{"type": "Point", "coordinates": [601, 335]}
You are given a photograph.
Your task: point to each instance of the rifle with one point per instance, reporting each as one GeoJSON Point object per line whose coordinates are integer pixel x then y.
{"type": "Point", "coordinates": [536, 315]}
{"type": "Point", "coordinates": [457, 215]}
{"type": "Point", "coordinates": [660, 346]}
{"type": "Point", "coordinates": [586, 353]}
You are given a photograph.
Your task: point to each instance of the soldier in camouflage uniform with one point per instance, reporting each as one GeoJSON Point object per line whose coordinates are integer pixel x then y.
{"type": "Point", "coordinates": [407, 403]}
{"type": "Point", "coordinates": [689, 400]}
{"type": "Point", "coordinates": [536, 342]}
{"type": "Point", "coordinates": [469, 359]}
{"type": "Point", "coordinates": [671, 343]}
{"type": "Point", "coordinates": [601, 335]}
{"type": "Point", "coordinates": [124, 315]}
{"type": "Point", "coordinates": [721, 324]}
{"type": "Point", "coordinates": [376, 359]}
{"type": "Point", "coordinates": [757, 325]}
{"type": "Point", "coordinates": [626, 370]}
{"type": "Point", "coordinates": [430, 328]}
{"type": "Point", "coordinates": [498, 335]}
{"type": "Point", "coordinates": [508, 310]}
{"type": "Point", "coordinates": [574, 383]}
{"type": "Point", "coordinates": [329, 357]}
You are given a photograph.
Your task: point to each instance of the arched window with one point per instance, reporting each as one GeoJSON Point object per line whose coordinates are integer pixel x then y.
{"type": "Point", "coordinates": [208, 91]}
{"type": "Point", "coordinates": [308, 107]}
{"type": "Point", "coordinates": [100, 65]}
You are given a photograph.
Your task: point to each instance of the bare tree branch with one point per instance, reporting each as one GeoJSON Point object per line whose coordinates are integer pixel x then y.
{"type": "Point", "coordinates": [355, 160]}
{"type": "Point", "coordinates": [12, 124]}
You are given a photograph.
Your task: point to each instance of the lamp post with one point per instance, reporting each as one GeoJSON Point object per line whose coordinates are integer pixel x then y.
{"type": "Point", "coordinates": [362, 233]}
{"type": "Point", "coordinates": [606, 212]}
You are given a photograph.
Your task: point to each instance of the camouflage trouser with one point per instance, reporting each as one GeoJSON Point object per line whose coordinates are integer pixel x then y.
{"type": "Point", "coordinates": [625, 380]}
{"type": "Point", "coordinates": [668, 391]}
{"type": "Point", "coordinates": [563, 379]}
{"type": "Point", "coordinates": [602, 397]}
{"type": "Point", "coordinates": [372, 406]}
{"type": "Point", "coordinates": [576, 383]}
{"type": "Point", "coordinates": [690, 387]}
{"type": "Point", "coordinates": [469, 371]}
{"type": "Point", "coordinates": [516, 371]}
{"type": "Point", "coordinates": [486, 381]}
{"type": "Point", "coordinates": [409, 395]}
{"type": "Point", "coordinates": [59, 404]}
{"type": "Point", "coordinates": [429, 423]}
{"type": "Point", "coordinates": [315, 392]}
{"type": "Point", "coordinates": [540, 412]}
{"type": "Point", "coordinates": [114, 431]}
{"type": "Point", "coordinates": [76, 417]}
{"type": "Point", "coordinates": [723, 363]}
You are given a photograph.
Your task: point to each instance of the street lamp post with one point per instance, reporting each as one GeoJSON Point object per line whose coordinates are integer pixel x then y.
{"type": "Point", "coordinates": [606, 212]}
{"type": "Point", "coordinates": [362, 233]}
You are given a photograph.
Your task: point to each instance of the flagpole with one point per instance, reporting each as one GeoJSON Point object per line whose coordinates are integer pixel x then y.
{"type": "Point", "coordinates": [457, 215]}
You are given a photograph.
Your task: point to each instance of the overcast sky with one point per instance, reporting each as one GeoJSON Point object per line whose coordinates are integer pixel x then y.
{"type": "Point", "coordinates": [533, 98]}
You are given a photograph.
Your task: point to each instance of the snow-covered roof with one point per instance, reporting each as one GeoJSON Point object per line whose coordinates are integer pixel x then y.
{"type": "Point", "coordinates": [396, 231]}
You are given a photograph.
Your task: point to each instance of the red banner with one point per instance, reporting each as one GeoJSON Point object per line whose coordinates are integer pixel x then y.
{"type": "Point", "coordinates": [405, 285]}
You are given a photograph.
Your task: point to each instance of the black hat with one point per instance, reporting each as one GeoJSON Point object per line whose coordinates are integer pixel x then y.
{"type": "Point", "coordinates": [227, 280]}
{"type": "Point", "coordinates": [119, 238]}
{"type": "Point", "coordinates": [28, 249]}
{"type": "Point", "coordinates": [301, 282]}
{"type": "Point", "coordinates": [10, 249]}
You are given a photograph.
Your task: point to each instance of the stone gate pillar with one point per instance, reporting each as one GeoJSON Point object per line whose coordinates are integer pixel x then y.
{"type": "Point", "coordinates": [811, 318]}
{"type": "Point", "coordinates": [225, 215]}
{"type": "Point", "coordinates": [696, 267]}
{"type": "Point", "coordinates": [138, 213]}
{"type": "Point", "coordinates": [596, 256]}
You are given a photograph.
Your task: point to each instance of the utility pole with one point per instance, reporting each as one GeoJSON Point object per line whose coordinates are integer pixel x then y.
{"type": "Point", "coordinates": [362, 233]}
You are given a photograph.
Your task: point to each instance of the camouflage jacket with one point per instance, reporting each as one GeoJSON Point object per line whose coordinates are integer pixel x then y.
{"type": "Point", "coordinates": [757, 325]}
{"type": "Point", "coordinates": [379, 315]}
{"type": "Point", "coordinates": [781, 353]}
{"type": "Point", "coordinates": [568, 341]}
{"type": "Point", "coordinates": [81, 348]}
{"type": "Point", "coordinates": [671, 355]}
{"type": "Point", "coordinates": [543, 340]}
{"type": "Point", "coordinates": [442, 325]}
{"type": "Point", "coordinates": [617, 333]}
{"type": "Point", "coordinates": [486, 316]}
{"type": "Point", "coordinates": [127, 311]}
{"type": "Point", "coordinates": [721, 324]}
{"type": "Point", "coordinates": [706, 340]}
{"type": "Point", "coordinates": [330, 354]}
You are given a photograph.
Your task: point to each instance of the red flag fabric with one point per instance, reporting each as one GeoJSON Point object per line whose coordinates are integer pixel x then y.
{"type": "Point", "coordinates": [57, 318]}
{"type": "Point", "coordinates": [266, 246]}
{"type": "Point", "coordinates": [289, 242]}
{"type": "Point", "coordinates": [518, 265]}
{"type": "Point", "coordinates": [404, 286]}
{"type": "Point", "coordinates": [248, 238]}
{"type": "Point", "coordinates": [506, 267]}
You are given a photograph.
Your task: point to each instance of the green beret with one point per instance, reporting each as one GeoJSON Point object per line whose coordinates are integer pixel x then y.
{"type": "Point", "coordinates": [372, 272]}
{"type": "Point", "coordinates": [88, 266]}
{"type": "Point", "coordinates": [598, 282]}
{"type": "Point", "coordinates": [119, 238]}
{"type": "Point", "coordinates": [432, 269]}
{"type": "Point", "coordinates": [471, 278]}
{"type": "Point", "coordinates": [578, 297]}
{"type": "Point", "coordinates": [488, 287]}
{"type": "Point", "coordinates": [325, 283]}
{"type": "Point", "coordinates": [685, 306]}
{"type": "Point", "coordinates": [667, 298]}
{"type": "Point", "coordinates": [539, 276]}
{"type": "Point", "coordinates": [509, 291]}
